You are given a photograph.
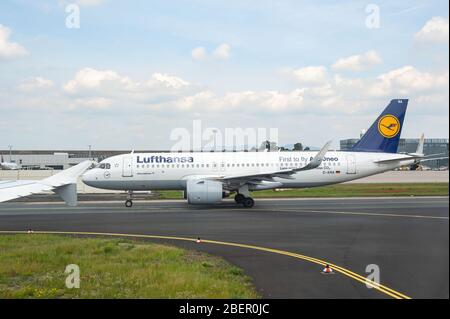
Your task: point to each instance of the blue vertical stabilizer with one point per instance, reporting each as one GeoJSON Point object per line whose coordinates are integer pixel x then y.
{"type": "Point", "coordinates": [384, 134]}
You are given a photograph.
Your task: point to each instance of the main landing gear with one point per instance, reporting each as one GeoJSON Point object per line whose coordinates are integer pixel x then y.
{"type": "Point", "coordinates": [247, 202]}
{"type": "Point", "coordinates": [129, 201]}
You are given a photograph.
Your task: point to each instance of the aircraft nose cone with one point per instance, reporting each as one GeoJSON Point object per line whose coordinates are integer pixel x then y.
{"type": "Point", "coordinates": [88, 178]}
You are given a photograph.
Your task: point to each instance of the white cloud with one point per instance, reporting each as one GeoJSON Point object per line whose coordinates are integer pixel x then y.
{"type": "Point", "coordinates": [122, 90]}
{"type": "Point", "coordinates": [90, 3]}
{"type": "Point", "coordinates": [35, 83]}
{"type": "Point", "coordinates": [222, 51]}
{"type": "Point", "coordinates": [408, 80]}
{"type": "Point", "coordinates": [311, 75]}
{"type": "Point", "coordinates": [89, 78]}
{"type": "Point", "coordinates": [435, 31]}
{"type": "Point", "coordinates": [198, 53]}
{"type": "Point", "coordinates": [9, 49]}
{"type": "Point", "coordinates": [359, 62]}
{"type": "Point", "coordinates": [170, 81]}
{"type": "Point", "coordinates": [163, 93]}
{"type": "Point", "coordinates": [251, 101]}
{"type": "Point", "coordinates": [93, 103]}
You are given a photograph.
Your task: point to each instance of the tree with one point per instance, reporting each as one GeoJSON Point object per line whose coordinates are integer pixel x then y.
{"type": "Point", "coordinates": [298, 146]}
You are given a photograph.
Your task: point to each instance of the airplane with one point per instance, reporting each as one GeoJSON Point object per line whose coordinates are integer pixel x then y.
{"type": "Point", "coordinates": [207, 178]}
{"type": "Point", "coordinates": [8, 165]}
{"type": "Point", "coordinates": [63, 183]}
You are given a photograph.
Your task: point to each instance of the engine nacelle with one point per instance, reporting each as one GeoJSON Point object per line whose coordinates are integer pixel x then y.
{"type": "Point", "coordinates": [203, 191]}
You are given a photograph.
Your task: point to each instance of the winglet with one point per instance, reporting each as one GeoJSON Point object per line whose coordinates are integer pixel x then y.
{"type": "Point", "coordinates": [65, 182]}
{"type": "Point", "coordinates": [420, 145]}
{"type": "Point", "coordinates": [317, 160]}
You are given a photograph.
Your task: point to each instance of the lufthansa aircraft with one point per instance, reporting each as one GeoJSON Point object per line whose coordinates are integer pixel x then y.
{"type": "Point", "coordinates": [206, 178]}
{"type": "Point", "coordinates": [8, 165]}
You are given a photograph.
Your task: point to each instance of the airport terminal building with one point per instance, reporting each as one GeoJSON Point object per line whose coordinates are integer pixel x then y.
{"type": "Point", "coordinates": [409, 145]}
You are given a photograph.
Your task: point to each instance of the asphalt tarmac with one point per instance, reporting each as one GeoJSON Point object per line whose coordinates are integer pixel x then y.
{"type": "Point", "coordinates": [283, 244]}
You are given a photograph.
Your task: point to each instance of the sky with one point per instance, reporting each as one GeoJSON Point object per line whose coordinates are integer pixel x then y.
{"type": "Point", "coordinates": [133, 74]}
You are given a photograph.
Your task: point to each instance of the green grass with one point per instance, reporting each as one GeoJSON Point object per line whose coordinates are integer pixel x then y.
{"type": "Point", "coordinates": [32, 266]}
{"type": "Point", "coordinates": [346, 190]}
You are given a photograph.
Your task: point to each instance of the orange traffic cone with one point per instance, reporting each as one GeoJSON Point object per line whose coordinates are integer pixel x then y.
{"type": "Point", "coordinates": [327, 269]}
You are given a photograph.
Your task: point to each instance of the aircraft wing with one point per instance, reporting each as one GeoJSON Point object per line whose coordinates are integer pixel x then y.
{"type": "Point", "coordinates": [269, 175]}
{"type": "Point", "coordinates": [63, 183]}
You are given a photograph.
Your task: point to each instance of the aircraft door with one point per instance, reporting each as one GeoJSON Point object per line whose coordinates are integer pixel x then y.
{"type": "Point", "coordinates": [127, 168]}
{"type": "Point", "coordinates": [351, 164]}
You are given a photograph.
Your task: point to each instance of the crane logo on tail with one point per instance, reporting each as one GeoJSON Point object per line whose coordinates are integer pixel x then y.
{"type": "Point", "coordinates": [389, 126]}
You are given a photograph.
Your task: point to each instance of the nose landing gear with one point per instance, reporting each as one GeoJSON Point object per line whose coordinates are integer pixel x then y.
{"type": "Point", "coordinates": [129, 201]}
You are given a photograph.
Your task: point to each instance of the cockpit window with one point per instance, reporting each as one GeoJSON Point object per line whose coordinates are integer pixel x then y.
{"type": "Point", "coordinates": [104, 166]}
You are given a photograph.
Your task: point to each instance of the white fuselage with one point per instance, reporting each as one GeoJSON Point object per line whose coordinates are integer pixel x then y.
{"type": "Point", "coordinates": [170, 171]}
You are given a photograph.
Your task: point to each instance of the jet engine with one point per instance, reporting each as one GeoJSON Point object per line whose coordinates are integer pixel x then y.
{"type": "Point", "coordinates": [201, 191]}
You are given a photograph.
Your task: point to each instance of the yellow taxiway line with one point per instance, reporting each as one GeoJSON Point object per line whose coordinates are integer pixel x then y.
{"type": "Point", "coordinates": [346, 272]}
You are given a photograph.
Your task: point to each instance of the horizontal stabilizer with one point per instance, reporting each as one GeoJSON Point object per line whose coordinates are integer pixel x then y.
{"type": "Point", "coordinates": [419, 158]}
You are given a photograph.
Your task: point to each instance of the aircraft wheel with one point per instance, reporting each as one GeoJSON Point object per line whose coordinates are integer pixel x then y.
{"type": "Point", "coordinates": [239, 198]}
{"type": "Point", "coordinates": [128, 203]}
{"type": "Point", "coordinates": [248, 202]}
